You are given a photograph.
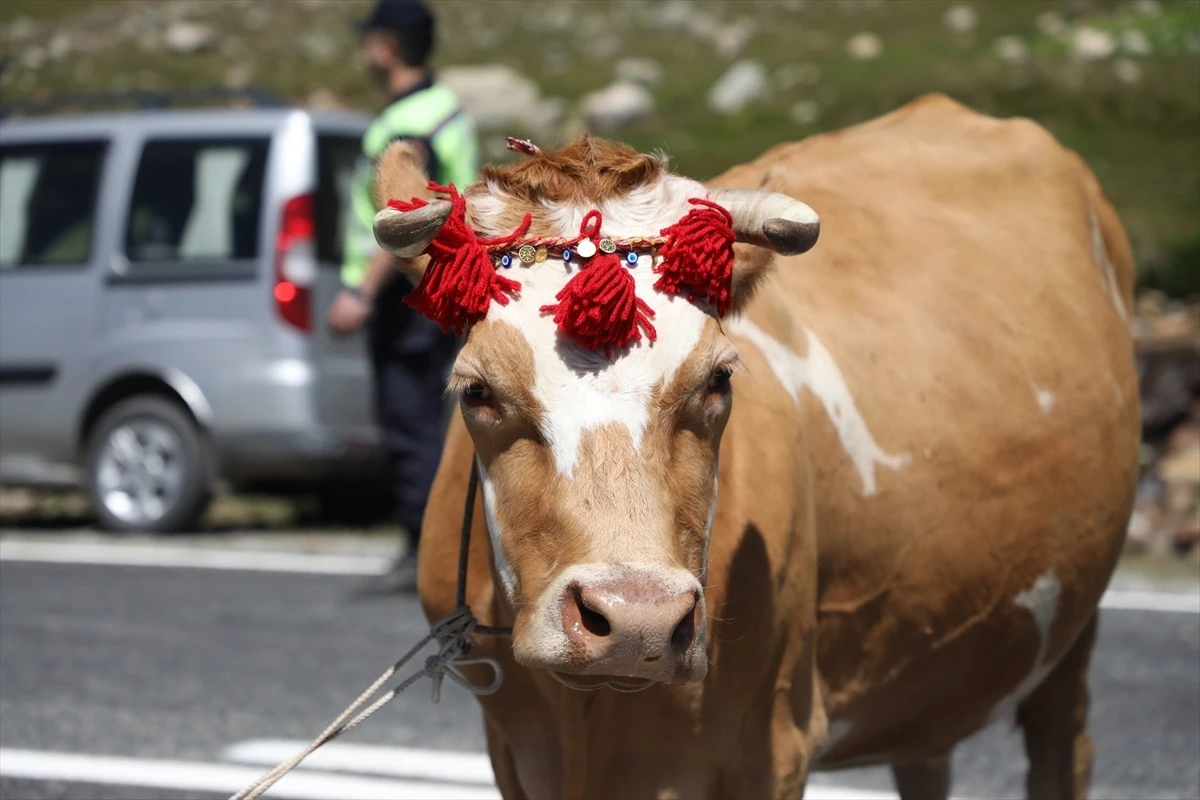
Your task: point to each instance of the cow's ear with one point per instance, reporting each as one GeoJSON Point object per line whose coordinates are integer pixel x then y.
{"type": "Point", "coordinates": [751, 266]}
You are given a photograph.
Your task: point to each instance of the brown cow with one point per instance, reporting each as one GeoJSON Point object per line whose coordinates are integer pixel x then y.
{"type": "Point", "coordinates": [924, 481]}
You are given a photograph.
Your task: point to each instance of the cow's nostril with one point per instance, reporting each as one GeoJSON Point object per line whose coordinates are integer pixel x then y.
{"type": "Point", "coordinates": [685, 631]}
{"type": "Point", "coordinates": [593, 621]}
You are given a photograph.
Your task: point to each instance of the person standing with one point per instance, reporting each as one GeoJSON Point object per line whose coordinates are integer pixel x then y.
{"type": "Point", "coordinates": [410, 356]}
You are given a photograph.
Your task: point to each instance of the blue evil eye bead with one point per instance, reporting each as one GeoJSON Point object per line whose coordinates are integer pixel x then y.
{"type": "Point", "coordinates": [631, 258]}
{"type": "Point", "coordinates": [506, 261]}
{"type": "Point", "coordinates": [567, 255]}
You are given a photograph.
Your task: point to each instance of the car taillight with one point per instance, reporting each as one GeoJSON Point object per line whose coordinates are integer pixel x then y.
{"type": "Point", "coordinates": [295, 263]}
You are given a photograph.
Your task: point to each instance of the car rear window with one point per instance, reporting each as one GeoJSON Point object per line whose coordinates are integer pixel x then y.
{"type": "Point", "coordinates": [48, 199]}
{"type": "Point", "coordinates": [337, 159]}
{"type": "Point", "coordinates": [197, 201]}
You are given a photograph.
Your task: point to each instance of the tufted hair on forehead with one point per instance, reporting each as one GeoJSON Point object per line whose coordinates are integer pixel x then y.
{"type": "Point", "coordinates": [588, 170]}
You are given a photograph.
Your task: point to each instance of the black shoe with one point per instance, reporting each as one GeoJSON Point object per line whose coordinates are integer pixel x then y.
{"type": "Point", "coordinates": [401, 578]}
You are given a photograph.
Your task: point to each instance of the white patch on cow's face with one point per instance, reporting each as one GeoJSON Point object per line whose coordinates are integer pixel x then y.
{"type": "Point", "coordinates": [507, 577]}
{"type": "Point", "coordinates": [581, 390]}
{"type": "Point", "coordinates": [1045, 399]}
{"type": "Point", "coordinates": [1104, 264]}
{"type": "Point", "coordinates": [1041, 600]}
{"type": "Point", "coordinates": [819, 373]}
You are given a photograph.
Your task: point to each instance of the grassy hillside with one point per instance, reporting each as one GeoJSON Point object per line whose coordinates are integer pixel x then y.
{"type": "Point", "coordinates": [1133, 113]}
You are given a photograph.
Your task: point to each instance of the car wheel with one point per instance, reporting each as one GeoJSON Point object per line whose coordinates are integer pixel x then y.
{"type": "Point", "coordinates": [147, 467]}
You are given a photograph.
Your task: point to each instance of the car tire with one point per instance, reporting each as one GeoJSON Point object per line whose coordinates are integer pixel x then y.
{"type": "Point", "coordinates": [147, 467]}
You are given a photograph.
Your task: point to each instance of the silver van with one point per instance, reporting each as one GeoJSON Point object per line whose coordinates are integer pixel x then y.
{"type": "Point", "coordinates": [164, 277]}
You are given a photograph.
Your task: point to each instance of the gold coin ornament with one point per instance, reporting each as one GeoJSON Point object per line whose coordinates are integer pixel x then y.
{"type": "Point", "coordinates": [527, 253]}
{"type": "Point", "coordinates": [608, 246]}
{"type": "Point", "coordinates": [541, 255]}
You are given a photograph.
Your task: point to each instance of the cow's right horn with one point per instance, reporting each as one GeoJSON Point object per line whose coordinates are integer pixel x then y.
{"type": "Point", "coordinates": [408, 233]}
{"type": "Point", "coordinates": [771, 220]}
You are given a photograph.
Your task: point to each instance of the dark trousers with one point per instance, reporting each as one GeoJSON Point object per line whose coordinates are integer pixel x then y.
{"type": "Point", "coordinates": [411, 359]}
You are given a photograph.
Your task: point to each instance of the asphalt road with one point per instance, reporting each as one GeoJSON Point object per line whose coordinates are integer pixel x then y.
{"type": "Point", "coordinates": [151, 663]}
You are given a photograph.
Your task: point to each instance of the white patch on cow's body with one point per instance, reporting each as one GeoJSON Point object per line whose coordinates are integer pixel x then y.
{"type": "Point", "coordinates": [1104, 264]}
{"type": "Point", "coordinates": [507, 577]}
{"type": "Point", "coordinates": [1045, 399]}
{"type": "Point", "coordinates": [819, 373]}
{"type": "Point", "coordinates": [582, 390]}
{"type": "Point", "coordinates": [839, 729]}
{"type": "Point", "coordinates": [1041, 600]}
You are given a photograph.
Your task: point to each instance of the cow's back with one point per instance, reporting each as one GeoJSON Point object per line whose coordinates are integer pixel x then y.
{"type": "Point", "coordinates": [973, 413]}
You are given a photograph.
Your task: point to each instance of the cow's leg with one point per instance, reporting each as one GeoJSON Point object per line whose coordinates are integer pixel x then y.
{"type": "Point", "coordinates": [1054, 722]}
{"type": "Point", "coordinates": [923, 780]}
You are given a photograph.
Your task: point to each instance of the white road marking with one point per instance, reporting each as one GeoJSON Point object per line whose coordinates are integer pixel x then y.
{"type": "Point", "coordinates": [391, 762]}
{"type": "Point", "coordinates": [1169, 602]}
{"type": "Point", "coordinates": [305, 783]}
{"type": "Point", "coordinates": [136, 555]}
{"type": "Point", "coordinates": [198, 776]}
{"type": "Point", "coordinates": [131, 555]}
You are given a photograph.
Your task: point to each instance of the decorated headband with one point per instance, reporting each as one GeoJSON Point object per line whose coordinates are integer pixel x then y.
{"type": "Point", "coordinates": [599, 307]}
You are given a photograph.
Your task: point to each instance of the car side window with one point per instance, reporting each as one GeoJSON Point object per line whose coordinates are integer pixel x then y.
{"type": "Point", "coordinates": [48, 199]}
{"type": "Point", "coordinates": [337, 160]}
{"type": "Point", "coordinates": [197, 201]}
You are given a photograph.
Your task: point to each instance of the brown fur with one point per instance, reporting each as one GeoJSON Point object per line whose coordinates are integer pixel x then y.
{"type": "Point", "coordinates": [955, 270]}
{"type": "Point", "coordinates": [588, 170]}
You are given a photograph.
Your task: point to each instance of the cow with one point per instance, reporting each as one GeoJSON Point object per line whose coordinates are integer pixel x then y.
{"type": "Point", "coordinates": [865, 513]}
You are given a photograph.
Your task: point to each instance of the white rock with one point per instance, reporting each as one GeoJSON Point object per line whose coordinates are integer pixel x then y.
{"type": "Point", "coordinates": [1147, 8]}
{"type": "Point", "coordinates": [806, 112]}
{"type": "Point", "coordinates": [673, 14]}
{"type": "Point", "coordinates": [603, 48]}
{"type": "Point", "coordinates": [498, 97]}
{"type": "Point", "coordinates": [20, 29]}
{"type": "Point", "coordinates": [238, 76]}
{"type": "Point", "coordinates": [1135, 42]}
{"type": "Point", "coordinates": [60, 46]}
{"type": "Point", "coordinates": [745, 82]}
{"type": "Point", "coordinates": [792, 75]}
{"type": "Point", "coordinates": [33, 58]}
{"type": "Point", "coordinates": [645, 71]}
{"type": "Point", "coordinates": [183, 38]}
{"type": "Point", "coordinates": [318, 46]}
{"type": "Point", "coordinates": [730, 40]}
{"type": "Point", "coordinates": [1092, 44]}
{"type": "Point", "coordinates": [864, 46]}
{"type": "Point", "coordinates": [1049, 24]}
{"type": "Point", "coordinates": [616, 106]}
{"type": "Point", "coordinates": [1127, 71]}
{"type": "Point", "coordinates": [1011, 49]}
{"type": "Point", "coordinates": [960, 18]}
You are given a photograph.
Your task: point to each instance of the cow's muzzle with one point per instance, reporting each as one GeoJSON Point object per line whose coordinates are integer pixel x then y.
{"type": "Point", "coordinates": [621, 625]}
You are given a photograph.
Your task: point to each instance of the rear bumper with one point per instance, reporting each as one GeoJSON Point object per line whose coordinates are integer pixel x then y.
{"type": "Point", "coordinates": [299, 458]}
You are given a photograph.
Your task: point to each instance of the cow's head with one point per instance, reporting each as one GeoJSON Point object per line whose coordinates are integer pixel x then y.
{"type": "Point", "coordinates": [598, 470]}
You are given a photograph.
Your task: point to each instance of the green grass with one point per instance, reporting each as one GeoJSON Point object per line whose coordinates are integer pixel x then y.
{"type": "Point", "coordinates": [1142, 139]}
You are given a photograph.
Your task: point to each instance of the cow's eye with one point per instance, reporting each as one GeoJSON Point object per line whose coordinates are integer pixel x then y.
{"type": "Point", "coordinates": [719, 382]}
{"type": "Point", "coordinates": [476, 393]}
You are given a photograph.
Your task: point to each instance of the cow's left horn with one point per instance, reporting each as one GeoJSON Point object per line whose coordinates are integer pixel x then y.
{"type": "Point", "coordinates": [771, 220]}
{"type": "Point", "coordinates": [408, 233]}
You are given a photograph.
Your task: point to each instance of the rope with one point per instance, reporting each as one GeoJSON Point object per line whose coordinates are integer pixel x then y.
{"type": "Point", "coordinates": [453, 635]}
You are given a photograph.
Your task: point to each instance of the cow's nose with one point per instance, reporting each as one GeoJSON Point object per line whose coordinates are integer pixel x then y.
{"type": "Point", "coordinates": [631, 629]}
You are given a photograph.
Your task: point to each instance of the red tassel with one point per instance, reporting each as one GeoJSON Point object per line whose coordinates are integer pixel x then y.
{"type": "Point", "coordinates": [461, 281]}
{"type": "Point", "coordinates": [697, 259]}
{"type": "Point", "coordinates": [599, 307]}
